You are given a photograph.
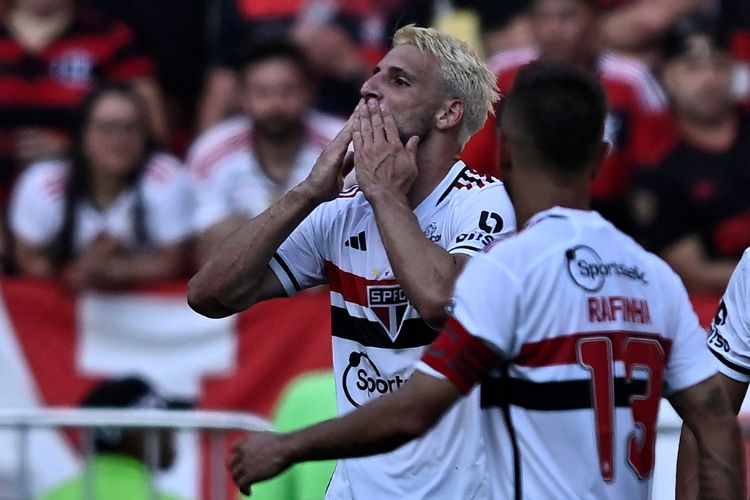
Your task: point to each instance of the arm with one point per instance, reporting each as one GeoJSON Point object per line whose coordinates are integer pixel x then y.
{"type": "Point", "coordinates": [700, 273]}
{"type": "Point", "coordinates": [151, 94]}
{"type": "Point", "coordinates": [236, 274]}
{"type": "Point", "coordinates": [386, 170]}
{"type": "Point", "coordinates": [708, 414]}
{"type": "Point", "coordinates": [628, 28]}
{"type": "Point", "coordinates": [378, 427]}
{"type": "Point", "coordinates": [219, 98]}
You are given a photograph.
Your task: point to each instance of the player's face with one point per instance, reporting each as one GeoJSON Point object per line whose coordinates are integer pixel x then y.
{"type": "Point", "coordinates": [115, 135]}
{"type": "Point", "coordinates": [564, 29]}
{"type": "Point", "coordinates": [700, 85]}
{"type": "Point", "coordinates": [276, 96]}
{"type": "Point", "coordinates": [409, 83]}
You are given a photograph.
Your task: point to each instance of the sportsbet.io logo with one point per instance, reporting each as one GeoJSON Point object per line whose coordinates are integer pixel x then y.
{"type": "Point", "coordinates": [587, 269]}
{"type": "Point", "coordinates": [362, 380]}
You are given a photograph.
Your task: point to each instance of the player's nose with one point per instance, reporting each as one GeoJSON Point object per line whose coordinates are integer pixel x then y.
{"type": "Point", "coordinates": [370, 88]}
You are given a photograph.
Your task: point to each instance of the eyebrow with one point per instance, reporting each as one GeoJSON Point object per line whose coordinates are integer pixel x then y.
{"type": "Point", "coordinates": [395, 70]}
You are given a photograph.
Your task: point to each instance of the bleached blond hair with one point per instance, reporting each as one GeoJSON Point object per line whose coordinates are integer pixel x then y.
{"type": "Point", "coordinates": [465, 74]}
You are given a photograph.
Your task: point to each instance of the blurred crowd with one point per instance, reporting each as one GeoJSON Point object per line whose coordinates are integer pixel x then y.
{"type": "Point", "coordinates": [136, 134]}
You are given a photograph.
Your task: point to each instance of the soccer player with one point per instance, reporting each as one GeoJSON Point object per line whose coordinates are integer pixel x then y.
{"type": "Point", "coordinates": [729, 341]}
{"type": "Point", "coordinates": [576, 331]}
{"type": "Point", "coordinates": [390, 249]}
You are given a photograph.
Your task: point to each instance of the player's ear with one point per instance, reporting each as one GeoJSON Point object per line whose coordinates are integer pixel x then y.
{"type": "Point", "coordinates": [450, 115]}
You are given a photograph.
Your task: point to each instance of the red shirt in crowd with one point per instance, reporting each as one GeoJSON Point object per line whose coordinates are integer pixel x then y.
{"type": "Point", "coordinates": [44, 89]}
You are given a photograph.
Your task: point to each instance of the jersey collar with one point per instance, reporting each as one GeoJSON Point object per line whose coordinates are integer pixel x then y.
{"type": "Point", "coordinates": [427, 205]}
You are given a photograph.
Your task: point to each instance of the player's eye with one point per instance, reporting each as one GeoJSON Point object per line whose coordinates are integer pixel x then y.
{"type": "Point", "coordinates": [401, 82]}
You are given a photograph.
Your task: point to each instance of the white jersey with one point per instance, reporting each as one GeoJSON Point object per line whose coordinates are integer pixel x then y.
{"type": "Point", "coordinates": [228, 178]}
{"type": "Point", "coordinates": [378, 337]}
{"type": "Point", "coordinates": [37, 207]}
{"type": "Point", "coordinates": [585, 332]}
{"type": "Point", "coordinates": [729, 338]}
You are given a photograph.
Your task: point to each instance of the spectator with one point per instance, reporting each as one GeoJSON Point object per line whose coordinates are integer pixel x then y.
{"type": "Point", "coordinates": [52, 53]}
{"type": "Point", "coordinates": [694, 209]}
{"type": "Point", "coordinates": [118, 469]}
{"type": "Point", "coordinates": [636, 26]}
{"type": "Point", "coordinates": [638, 120]}
{"type": "Point", "coordinates": [243, 164]}
{"type": "Point", "coordinates": [504, 24]}
{"type": "Point", "coordinates": [115, 213]}
{"type": "Point", "coordinates": [340, 38]}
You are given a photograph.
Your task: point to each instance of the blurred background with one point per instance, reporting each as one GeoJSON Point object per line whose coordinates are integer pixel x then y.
{"type": "Point", "coordinates": [135, 134]}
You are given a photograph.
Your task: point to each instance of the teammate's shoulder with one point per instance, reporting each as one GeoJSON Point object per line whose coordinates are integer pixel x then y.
{"type": "Point", "coordinates": [511, 60]}
{"type": "Point", "coordinates": [46, 179]}
{"type": "Point", "coordinates": [635, 75]}
{"type": "Point", "coordinates": [218, 142]}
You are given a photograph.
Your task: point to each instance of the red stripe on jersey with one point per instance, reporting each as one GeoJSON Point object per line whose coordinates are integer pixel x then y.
{"type": "Point", "coordinates": [562, 350]}
{"type": "Point", "coordinates": [228, 146]}
{"type": "Point", "coordinates": [463, 358]}
{"type": "Point", "coordinates": [352, 287]}
{"type": "Point", "coordinates": [349, 193]}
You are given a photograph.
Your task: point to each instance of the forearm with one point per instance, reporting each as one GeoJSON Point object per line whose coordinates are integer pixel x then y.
{"type": "Point", "coordinates": [720, 457]}
{"type": "Point", "coordinates": [688, 482]}
{"type": "Point", "coordinates": [232, 272]}
{"type": "Point", "coordinates": [378, 427]}
{"type": "Point", "coordinates": [425, 271]}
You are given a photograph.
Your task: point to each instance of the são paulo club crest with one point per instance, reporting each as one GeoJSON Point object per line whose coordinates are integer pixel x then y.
{"type": "Point", "coordinates": [389, 303]}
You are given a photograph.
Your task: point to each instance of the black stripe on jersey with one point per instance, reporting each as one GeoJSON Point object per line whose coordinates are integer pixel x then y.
{"type": "Point", "coordinates": [517, 464]}
{"type": "Point", "coordinates": [288, 271]}
{"type": "Point", "coordinates": [451, 186]}
{"type": "Point", "coordinates": [739, 369]}
{"type": "Point", "coordinates": [553, 396]}
{"type": "Point", "coordinates": [414, 332]}
{"type": "Point", "coordinates": [466, 247]}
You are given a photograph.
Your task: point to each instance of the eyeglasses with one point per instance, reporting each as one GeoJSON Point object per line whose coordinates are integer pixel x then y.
{"type": "Point", "coordinates": [117, 127]}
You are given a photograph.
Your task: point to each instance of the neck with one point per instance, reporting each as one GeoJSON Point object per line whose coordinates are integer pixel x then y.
{"type": "Point", "coordinates": [434, 159]}
{"type": "Point", "coordinates": [105, 188]}
{"type": "Point", "coordinates": [535, 192]}
{"type": "Point", "coordinates": [277, 155]}
{"type": "Point", "coordinates": [715, 134]}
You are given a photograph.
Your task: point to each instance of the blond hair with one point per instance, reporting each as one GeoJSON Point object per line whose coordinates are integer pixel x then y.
{"type": "Point", "coordinates": [463, 71]}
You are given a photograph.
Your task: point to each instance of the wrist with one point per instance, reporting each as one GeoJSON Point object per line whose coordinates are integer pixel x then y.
{"type": "Point", "coordinates": [379, 196]}
{"type": "Point", "coordinates": [292, 448]}
{"type": "Point", "coordinates": [306, 194]}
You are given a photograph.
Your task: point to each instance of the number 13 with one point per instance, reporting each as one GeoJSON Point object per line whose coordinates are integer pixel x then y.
{"type": "Point", "coordinates": [596, 355]}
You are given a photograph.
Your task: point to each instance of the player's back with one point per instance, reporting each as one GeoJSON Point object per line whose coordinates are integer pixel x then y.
{"type": "Point", "coordinates": [572, 412]}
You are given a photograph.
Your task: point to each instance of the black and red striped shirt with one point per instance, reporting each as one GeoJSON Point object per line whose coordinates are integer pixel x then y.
{"type": "Point", "coordinates": [43, 89]}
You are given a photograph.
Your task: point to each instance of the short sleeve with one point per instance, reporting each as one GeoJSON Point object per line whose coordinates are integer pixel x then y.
{"type": "Point", "coordinates": [479, 333]}
{"type": "Point", "coordinates": [128, 60]}
{"type": "Point", "coordinates": [169, 202]}
{"type": "Point", "coordinates": [299, 262]}
{"type": "Point", "coordinates": [36, 206]}
{"type": "Point", "coordinates": [479, 219]}
{"type": "Point", "coordinates": [689, 361]}
{"type": "Point", "coordinates": [729, 338]}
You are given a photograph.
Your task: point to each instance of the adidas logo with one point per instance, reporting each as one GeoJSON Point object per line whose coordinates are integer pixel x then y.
{"type": "Point", "coordinates": [357, 242]}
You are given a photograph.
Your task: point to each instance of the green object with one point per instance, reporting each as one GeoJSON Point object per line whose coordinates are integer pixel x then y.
{"type": "Point", "coordinates": [308, 399]}
{"type": "Point", "coordinates": [116, 477]}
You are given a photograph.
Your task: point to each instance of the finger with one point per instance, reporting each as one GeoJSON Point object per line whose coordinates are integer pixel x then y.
{"type": "Point", "coordinates": [411, 147]}
{"type": "Point", "coordinates": [376, 120]}
{"type": "Point", "coordinates": [365, 124]}
{"type": "Point", "coordinates": [358, 141]}
{"type": "Point", "coordinates": [389, 124]}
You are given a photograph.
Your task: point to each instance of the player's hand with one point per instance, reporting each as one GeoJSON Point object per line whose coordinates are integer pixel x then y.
{"type": "Point", "coordinates": [326, 178]}
{"type": "Point", "coordinates": [382, 160]}
{"type": "Point", "coordinates": [256, 458]}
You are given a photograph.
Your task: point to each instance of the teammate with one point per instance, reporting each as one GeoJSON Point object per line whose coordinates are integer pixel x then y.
{"type": "Point", "coordinates": [729, 342]}
{"type": "Point", "coordinates": [576, 330]}
{"type": "Point", "coordinates": [390, 249]}
{"type": "Point", "coordinates": [243, 164]}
